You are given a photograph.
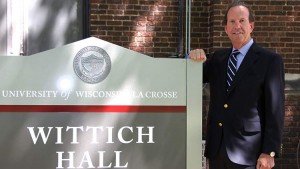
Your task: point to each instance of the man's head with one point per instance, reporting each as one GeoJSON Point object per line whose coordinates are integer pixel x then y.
{"type": "Point", "coordinates": [239, 23]}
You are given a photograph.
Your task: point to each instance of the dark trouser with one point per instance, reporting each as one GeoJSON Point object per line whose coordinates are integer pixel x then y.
{"type": "Point", "coordinates": [222, 161]}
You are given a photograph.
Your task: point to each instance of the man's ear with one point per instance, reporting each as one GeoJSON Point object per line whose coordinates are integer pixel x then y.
{"type": "Point", "coordinates": [225, 29]}
{"type": "Point", "coordinates": [252, 26]}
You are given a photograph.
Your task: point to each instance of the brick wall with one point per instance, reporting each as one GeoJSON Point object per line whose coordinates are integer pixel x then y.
{"type": "Point", "coordinates": [153, 27]}
{"type": "Point", "coordinates": [278, 26]}
{"type": "Point", "coordinates": [291, 133]}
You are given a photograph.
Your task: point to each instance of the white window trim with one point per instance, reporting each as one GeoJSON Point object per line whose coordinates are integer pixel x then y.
{"type": "Point", "coordinates": [17, 28]}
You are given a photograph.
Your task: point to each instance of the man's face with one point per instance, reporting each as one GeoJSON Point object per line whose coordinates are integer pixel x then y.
{"type": "Point", "coordinates": [238, 27]}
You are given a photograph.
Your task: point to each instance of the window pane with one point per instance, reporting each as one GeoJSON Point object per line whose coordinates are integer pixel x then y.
{"type": "Point", "coordinates": [30, 27]}
{"type": "Point", "coordinates": [53, 23]}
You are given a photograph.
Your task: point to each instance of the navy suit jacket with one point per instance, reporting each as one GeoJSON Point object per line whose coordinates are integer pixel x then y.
{"type": "Point", "coordinates": [250, 115]}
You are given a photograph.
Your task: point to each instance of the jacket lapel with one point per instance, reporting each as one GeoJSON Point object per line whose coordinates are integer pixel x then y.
{"type": "Point", "coordinates": [247, 63]}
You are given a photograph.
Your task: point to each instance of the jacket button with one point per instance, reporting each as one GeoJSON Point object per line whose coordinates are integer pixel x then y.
{"type": "Point", "coordinates": [225, 106]}
{"type": "Point", "coordinates": [220, 124]}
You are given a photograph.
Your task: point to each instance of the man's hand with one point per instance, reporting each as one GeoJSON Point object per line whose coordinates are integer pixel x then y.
{"type": "Point", "coordinates": [197, 55]}
{"type": "Point", "coordinates": [265, 161]}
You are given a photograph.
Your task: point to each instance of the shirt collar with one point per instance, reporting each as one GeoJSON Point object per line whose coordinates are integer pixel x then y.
{"type": "Point", "coordinates": [243, 50]}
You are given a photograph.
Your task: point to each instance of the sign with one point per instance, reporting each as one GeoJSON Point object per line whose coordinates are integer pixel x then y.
{"type": "Point", "coordinates": [93, 104]}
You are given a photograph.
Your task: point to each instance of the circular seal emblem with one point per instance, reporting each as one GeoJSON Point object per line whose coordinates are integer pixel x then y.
{"type": "Point", "coordinates": [92, 64]}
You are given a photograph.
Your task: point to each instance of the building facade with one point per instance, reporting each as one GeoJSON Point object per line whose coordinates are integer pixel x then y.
{"type": "Point", "coordinates": [161, 28]}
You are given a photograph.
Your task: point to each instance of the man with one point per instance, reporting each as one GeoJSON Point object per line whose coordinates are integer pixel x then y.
{"type": "Point", "coordinates": [246, 111]}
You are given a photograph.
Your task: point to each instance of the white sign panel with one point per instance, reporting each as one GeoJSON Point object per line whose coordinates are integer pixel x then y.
{"type": "Point", "coordinates": [93, 104]}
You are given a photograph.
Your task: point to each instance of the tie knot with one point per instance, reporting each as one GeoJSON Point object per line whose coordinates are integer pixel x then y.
{"type": "Point", "coordinates": [235, 52]}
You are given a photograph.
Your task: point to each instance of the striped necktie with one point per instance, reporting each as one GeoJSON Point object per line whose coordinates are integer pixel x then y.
{"type": "Point", "coordinates": [231, 70]}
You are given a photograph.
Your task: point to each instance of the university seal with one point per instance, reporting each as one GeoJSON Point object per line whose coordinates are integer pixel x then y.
{"type": "Point", "coordinates": [92, 64]}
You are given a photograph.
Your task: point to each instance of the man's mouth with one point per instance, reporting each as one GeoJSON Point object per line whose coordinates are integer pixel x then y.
{"type": "Point", "coordinates": [237, 33]}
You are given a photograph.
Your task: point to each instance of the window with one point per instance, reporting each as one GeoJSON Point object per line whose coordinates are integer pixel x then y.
{"type": "Point", "coordinates": [38, 25]}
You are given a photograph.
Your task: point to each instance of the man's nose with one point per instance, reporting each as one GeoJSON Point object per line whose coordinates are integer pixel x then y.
{"type": "Point", "coordinates": [237, 25]}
